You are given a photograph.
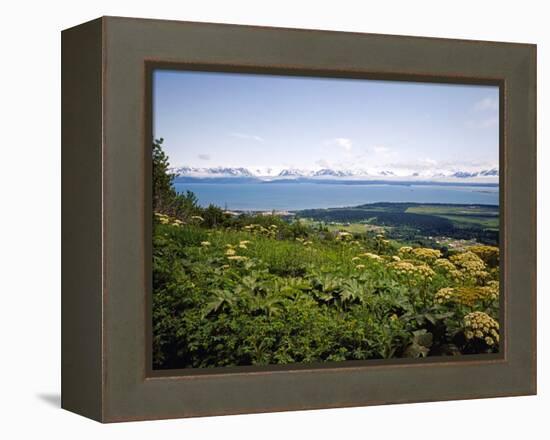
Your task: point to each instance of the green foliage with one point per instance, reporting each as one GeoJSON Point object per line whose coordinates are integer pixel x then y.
{"type": "Point", "coordinates": [415, 221]}
{"type": "Point", "coordinates": [244, 296]}
{"type": "Point", "coordinates": [163, 192]}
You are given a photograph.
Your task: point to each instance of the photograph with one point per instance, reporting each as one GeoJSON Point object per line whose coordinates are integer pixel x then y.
{"type": "Point", "coordinates": [311, 220]}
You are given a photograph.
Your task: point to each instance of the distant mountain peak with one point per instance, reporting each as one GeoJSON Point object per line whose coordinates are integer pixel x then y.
{"type": "Point", "coordinates": [333, 173]}
{"type": "Point", "coordinates": [273, 173]}
{"type": "Point", "coordinates": [293, 172]}
{"type": "Point", "coordinates": [212, 172]}
{"type": "Point", "coordinates": [493, 172]}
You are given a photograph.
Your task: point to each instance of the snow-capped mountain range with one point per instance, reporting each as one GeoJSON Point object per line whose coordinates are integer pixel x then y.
{"type": "Point", "coordinates": [269, 174]}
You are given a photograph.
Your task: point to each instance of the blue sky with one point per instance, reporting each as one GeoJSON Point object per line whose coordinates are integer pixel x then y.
{"type": "Point", "coordinates": [243, 120]}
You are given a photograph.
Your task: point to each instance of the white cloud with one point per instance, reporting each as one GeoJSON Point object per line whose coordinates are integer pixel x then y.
{"type": "Point", "coordinates": [486, 104]}
{"type": "Point", "coordinates": [204, 156]}
{"type": "Point", "coordinates": [429, 161]}
{"type": "Point", "coordinates": [343, 143]}
{"type": "Point", "coordinates": [380, 149]}
{"type": "Point", "coordinates": [322, 163]}
{"type": "Point", "coordinates": [247, 136]}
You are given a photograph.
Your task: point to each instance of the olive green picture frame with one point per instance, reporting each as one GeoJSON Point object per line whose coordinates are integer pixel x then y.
{"type": "Point", "coordinates": [107, 214]}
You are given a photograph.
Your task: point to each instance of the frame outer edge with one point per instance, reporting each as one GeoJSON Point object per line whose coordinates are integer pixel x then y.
{"type": "Point", "coordinates": [81, 213]}
{"type": "Point", "coordinates": [534, 78]}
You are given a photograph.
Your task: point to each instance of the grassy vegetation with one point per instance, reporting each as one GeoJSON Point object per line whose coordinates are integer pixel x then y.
{"type": "Point", "coordinates": [484, 217]}
{"type": "Point", "coordinates": [413, 222]}
{"type": "Point", "coordinates": [354, 228]}
{"type": "Point", "coordinates": [259, 290]}
{"type": "Point", "coordinates": [443, 209]}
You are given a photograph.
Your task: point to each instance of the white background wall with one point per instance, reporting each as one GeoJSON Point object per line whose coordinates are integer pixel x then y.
{"type": "Point", "coordinates": [30, 244]}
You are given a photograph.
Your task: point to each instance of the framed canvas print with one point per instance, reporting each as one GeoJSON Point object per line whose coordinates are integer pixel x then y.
{"type": "Point", "coordinates": [263, 219]}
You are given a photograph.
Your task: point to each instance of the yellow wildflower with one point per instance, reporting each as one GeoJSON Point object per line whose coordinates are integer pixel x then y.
{"type": "Point", "coordinates": [468, 296]}
{"type": "Point", "coordinates": [444, 295]}
{"type": "Point", "coordinates": [343, 235]}
{"type": "Point", "coordinates": [482, 326]}
{"type": "Point", "coordinates": [372, 256]}
{"type": "Point", "coordinates": [162, 218]}
{"type": "Point", "coordinates": [470, 265]}
{"type": "Point", "coordinates": [489, 254]}
{"type": "Point", "coordinates": [405, 251]}
{"type": "Point", "coordinates": [426, 254]}
{"type": "Point", "coordinates": [403, 267]}
{"type": "Point", "coordinates": [413, 273]}
{"type": "Point", "coordinates": [444, 265]}
{"type": "Point", "coordinates": [237, 258]}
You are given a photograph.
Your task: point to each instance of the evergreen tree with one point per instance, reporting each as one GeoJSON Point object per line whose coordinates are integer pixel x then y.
{"type": "Point", "coordinates": [163, 193]}
{"type": "Point", "coordinates": [166, 200]}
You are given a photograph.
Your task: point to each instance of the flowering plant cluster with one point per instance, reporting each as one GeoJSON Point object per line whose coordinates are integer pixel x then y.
{"type": "Point", "coordinates": [167, 220]}
{"type": "Point", "coordinates": [426, 254]}
{"type": "Point", "coordinates": [489, 254]}
{"type": "Point", "coordinates": [480, 326]}
{"type": "Point", "coordinates": [468, 296]}
{"type": "Point", "coordinates": [411, 272]}
{"type": "Point", "coordinates": [470, 265]}
{"type": "Point", "coordinates": [443, 265]}
{"type": "Point", "coordinates": [248, 289]}
{"type": "Point", "coordinates": [269, 231]}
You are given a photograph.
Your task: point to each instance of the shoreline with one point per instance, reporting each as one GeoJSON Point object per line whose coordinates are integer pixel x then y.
{"type": "Point", "coordinates": [293, 212]}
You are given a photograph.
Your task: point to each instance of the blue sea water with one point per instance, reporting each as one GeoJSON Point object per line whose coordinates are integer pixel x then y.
{"type": "Point", "coordinates": [296, 196]}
